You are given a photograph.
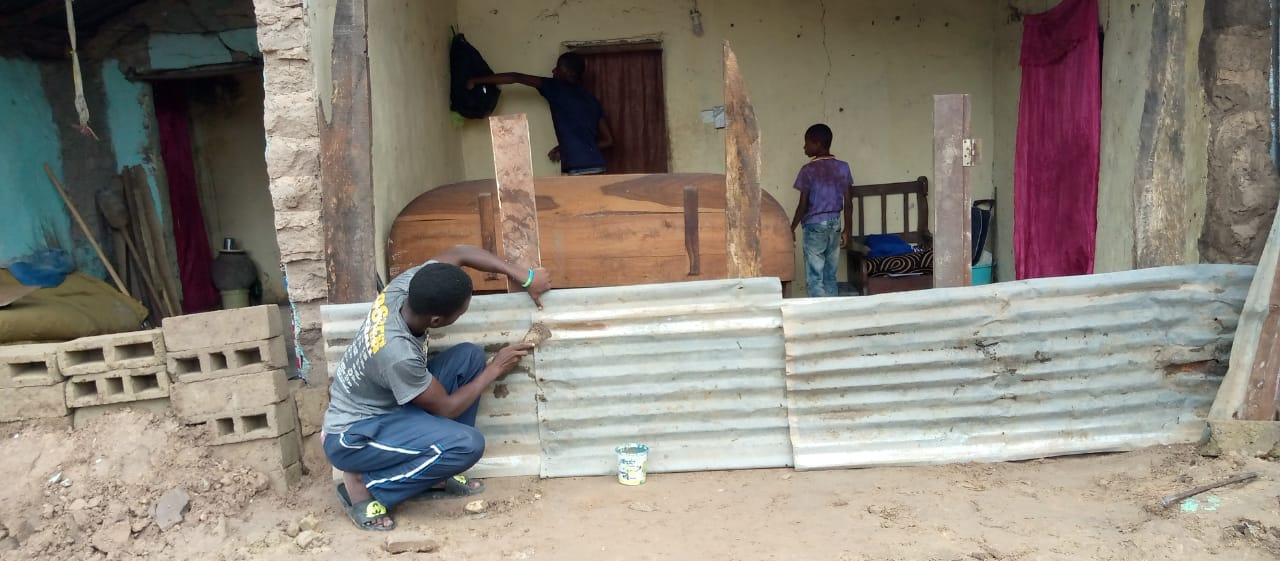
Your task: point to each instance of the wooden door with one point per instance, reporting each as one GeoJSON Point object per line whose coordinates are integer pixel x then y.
{"type": "Point", "coordinates": [628, 83]}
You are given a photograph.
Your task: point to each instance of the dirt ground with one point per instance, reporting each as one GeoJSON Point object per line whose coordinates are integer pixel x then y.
{"type": "Point", "coordinates": [1091, 507]}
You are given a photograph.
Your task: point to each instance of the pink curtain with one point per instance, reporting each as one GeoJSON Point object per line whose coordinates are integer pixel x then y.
{"type": "Point", "coordinates": [195, 258]}
{"type": "Point", "coordinates": [1055, 194]}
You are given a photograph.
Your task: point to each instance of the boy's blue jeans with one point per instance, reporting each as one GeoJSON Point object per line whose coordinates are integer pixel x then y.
{"type": "Point", "coordinates": [405, 453]}
{"type": "Point", "coordinates": [821, 256]}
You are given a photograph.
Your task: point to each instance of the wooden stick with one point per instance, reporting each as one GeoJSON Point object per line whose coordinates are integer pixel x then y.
{"type": "Point", "coordinates": [1178, 497]}
{"type": "Point", "coordinates": [146, 279]}
{"type": "Point", "coordinates": [85, 228]}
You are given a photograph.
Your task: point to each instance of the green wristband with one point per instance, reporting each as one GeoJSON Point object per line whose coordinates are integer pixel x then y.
{"type": "Point", "coordinates": [529, 281]}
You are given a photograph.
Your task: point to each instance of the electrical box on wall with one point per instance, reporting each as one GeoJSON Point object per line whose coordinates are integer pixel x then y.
{"type": "Point", "coordinates": [714, 116]}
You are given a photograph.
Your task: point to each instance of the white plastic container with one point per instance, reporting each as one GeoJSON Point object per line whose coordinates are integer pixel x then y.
{"type": "Point", "coordinates": [632, 461]}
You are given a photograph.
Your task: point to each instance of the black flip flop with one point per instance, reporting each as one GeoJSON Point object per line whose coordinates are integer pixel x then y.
{"type": "Point", "coordinates": [365, 514]}
{"type": "Point", "coordinates": [454, 487]}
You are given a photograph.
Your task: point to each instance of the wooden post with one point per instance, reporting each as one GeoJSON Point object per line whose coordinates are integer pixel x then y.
{"type": "Point", "coordinates": [1249, 390]}
{"type": "Point", "coordinates": [952, 232]}
{"type": "Point", "coordinates": [691, 230]}
{"type": "Point", "coordinates": [1263, 395]}
{"type": "Point", "coordinates": [346, 162]}
{"type": "Point", "coordinates": [742, 175]}
{"type": "Point", "coordinates": [517, 206]}
{"type": "Point", "coordinates": [488, 228]}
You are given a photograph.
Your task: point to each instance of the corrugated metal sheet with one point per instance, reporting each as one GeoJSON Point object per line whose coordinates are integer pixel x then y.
{"type": "Point", "coordinates": [1009, 371]}
{"type": "Point", "coordinates": [694, 370]}
{"type": "Point", "coordinates": [509, 422]}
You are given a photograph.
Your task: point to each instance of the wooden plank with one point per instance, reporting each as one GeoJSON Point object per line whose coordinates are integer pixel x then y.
{"type": "Point", "coordinates": [742, 174]}
{"type": "Point", "coordinates": [517, 206]}
{"type": "Point", "coordinates": [691, 229]}
{"type": "Point", "coordinates": [952, 248]}
{"type": "Point", "coordinates": [154, 242]}
{"type": "Point", "coordinates": [346, 162]}
{"type": "Point", "coordinates": [488, 227]}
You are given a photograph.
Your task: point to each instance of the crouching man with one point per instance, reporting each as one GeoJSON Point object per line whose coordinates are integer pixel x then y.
{"type": "Point", "coordinates": [400, 425]}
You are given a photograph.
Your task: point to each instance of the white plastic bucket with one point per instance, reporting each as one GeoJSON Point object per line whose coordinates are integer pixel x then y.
{"type": "Point", "coordinates": [632, 460]}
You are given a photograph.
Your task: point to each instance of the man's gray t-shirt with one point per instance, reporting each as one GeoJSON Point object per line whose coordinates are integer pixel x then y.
{"type": "Point", "coordinates": [385, 365]}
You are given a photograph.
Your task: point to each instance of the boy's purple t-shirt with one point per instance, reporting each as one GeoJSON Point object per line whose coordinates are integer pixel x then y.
{"type": "Point", "coordinates": [825, 179]}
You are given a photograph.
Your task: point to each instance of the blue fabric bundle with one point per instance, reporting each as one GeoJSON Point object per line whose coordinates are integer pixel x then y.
{"type": "Point", "coordinates": [46, 268]}
{"type": "Point", "coordinates": [887, 245]}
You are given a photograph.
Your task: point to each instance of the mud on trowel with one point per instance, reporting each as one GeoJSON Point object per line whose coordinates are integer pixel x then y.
{"type": "Point", "coordinates": [537, 334]}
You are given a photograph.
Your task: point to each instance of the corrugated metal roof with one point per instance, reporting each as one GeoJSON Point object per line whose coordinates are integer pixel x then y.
{"type": "Point", "coordinates": [509, 422]}
{"type": "Point", "coordinates": [694, 370]}
{"type": "Point", "coordinates": [1009, 371]}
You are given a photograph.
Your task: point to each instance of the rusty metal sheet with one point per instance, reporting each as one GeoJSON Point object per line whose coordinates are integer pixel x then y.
{"type": "Point", "coordinates": [1010, 371]}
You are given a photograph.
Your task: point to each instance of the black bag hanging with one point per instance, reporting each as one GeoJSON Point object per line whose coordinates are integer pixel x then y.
{"type": "Point", "coordinates": [981, 223]}
{"type": "Point", "coordinates": [465, 63]}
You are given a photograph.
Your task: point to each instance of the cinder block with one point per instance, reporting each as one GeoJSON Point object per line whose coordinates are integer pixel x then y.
{"type": "Point", "coordinates": [228, 360]}
{"type": "Point", "coordinates": [196, 402]}
{"type": "Point", "coordinates": [226, 327]}
{"type": "Point", "coordinates": [117, 386]}
{"type": "Point", "coordinates": [103, 353]}
{"type": "Point", "coordinates": [254, 424]}
{"type": "Point", "coordinates": [1250, 438]}
{"type": "Point", "coordinates": [312, 402]}
{"type": "Point", "coordinates": [263, 455]}
{"type": "Point", "coordinates": [35, 402]}
{"type": "Point", "coordinates": [29, 365]}
{"type": "Point", "coordinates": [283, 479]}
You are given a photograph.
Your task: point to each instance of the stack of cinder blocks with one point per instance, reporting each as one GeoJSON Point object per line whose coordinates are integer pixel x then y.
{"type": "Point", "coordinates": [228, 370]}
{"type": "Point", "coordinates": [113, 369]}
{"type": "Point", "coordinates": [31, 385]}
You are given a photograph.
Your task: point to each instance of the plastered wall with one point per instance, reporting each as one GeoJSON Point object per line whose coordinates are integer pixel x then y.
{"type": "Point", "coordinates": [416, 146]}
{"type": "Point", "coordinates": [868, 68]}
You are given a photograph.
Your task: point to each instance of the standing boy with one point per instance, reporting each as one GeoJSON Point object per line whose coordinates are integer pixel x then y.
{"type": "Point", "coordinates": [825, 186]}
{"type": "Point", "coordinates": [576, 114]}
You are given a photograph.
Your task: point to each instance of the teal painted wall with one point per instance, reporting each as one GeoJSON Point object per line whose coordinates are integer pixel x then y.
{"type": "Point", "coordinates": [188, 50]}
{"type": "Point", "coordinates": [30, 139]}
{"type": "Point", "coordinates": [128, 122]}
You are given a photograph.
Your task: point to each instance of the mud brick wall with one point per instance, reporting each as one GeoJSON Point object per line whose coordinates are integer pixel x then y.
{"type": "Point", "coordinates": [293, 164]}
{"type": "Point", "coordinates": [1243, 183]}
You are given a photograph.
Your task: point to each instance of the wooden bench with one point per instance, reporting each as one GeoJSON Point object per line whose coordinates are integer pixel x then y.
{"type": "Point", "coordinates": [889, 194]}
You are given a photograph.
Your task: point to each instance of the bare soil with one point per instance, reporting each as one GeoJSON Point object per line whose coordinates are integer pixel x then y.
{"type": "Point", "coordinates": [1088, 507]}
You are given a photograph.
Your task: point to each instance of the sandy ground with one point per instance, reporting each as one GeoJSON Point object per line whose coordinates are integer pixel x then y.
{"type": "Point", "coordinates": [1091, 507]}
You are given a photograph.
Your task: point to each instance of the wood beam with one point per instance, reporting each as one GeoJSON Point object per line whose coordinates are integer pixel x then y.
{"type": "Point", "coordinates": [742, 174]}
{"type": "Point", "coordinates": [346, 162]}
{"type": "Point", "coordinates": [517, 206]}
{"type": "Point", "coordinates": [952, 231]}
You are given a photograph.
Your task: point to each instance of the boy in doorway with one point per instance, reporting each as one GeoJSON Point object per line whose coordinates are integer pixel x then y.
{"type": "Point", "coordinates": [577, 116]}
{"type": "Point", "coordinates": [825, 186]}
